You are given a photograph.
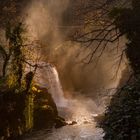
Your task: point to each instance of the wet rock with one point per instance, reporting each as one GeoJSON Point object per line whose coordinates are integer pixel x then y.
{"type": "Point", "coordinates": [45, 111]}
{"type": "Point", "coordinates": [99, 118]}
{"type": "Point", "coordinates": [60, 122]}
{"type": "Point", "coordinates": [73, 123]}
{"type": "Point", "coordinates": [86, 122]}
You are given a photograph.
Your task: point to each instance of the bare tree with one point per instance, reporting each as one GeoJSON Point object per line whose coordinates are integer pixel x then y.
{"type": "Point", "coordinates": [99, 30]}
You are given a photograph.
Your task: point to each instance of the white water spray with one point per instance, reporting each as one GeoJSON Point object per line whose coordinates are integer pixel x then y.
{"type": "Point", "coordinates": [55, 87]}
{"type": "Point", "coordinates": [47, 77]}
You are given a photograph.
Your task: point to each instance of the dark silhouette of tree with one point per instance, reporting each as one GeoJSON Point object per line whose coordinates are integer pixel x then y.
{"type": "Point", "coordinates": [122, 117]}
{"type": "Point", "coordinates": [109, 24]}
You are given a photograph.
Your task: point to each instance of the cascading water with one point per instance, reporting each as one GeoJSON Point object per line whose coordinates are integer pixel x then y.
{"type": "Point", "coordinates": [47, 77]}
{"type": "Point", "coordinates": [56, 88]}
{"type": "Point", "coordinates": [80, 111]}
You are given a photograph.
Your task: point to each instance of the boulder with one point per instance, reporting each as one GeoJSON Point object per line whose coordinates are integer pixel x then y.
{"type": "Point", "coordinates": [60, 122]}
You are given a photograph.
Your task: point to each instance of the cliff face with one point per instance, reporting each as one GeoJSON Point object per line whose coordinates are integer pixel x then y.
{"type": "Point", "coordinates": [21, 112]}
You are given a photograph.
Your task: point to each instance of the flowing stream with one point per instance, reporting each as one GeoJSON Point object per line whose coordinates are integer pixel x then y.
{"type": "Point", "coordinates": [81, 111]}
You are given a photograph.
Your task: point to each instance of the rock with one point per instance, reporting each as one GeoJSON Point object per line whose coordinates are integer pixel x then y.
{"type": "Point", "coordinates": [86, 122]}
{"type": "Point", "coordinates": [99, 118]}
{"type": "Point", "coordinates": [45, 110]}
{"type": "Point", "coordinates": [60, 122]}
{"type": "Point", "coordinates": [73, 123]}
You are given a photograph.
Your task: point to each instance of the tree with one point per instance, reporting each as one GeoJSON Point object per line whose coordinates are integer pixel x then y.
{"type": "Point", "coordinates": [121, 120]}
{"type": "Point", "coordinates": [13, 53]}
{"type": "Point", "coordinates": [99, 30]}
{"type": "Point", "coordinates": [16, 42]}
{"type": "Point", "coordinates": [122, 114]}
{"type": "Point", "coordinates": [17, 54]}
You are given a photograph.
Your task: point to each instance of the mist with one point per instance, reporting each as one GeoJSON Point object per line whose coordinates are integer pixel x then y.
{"type": "Point", "coordinates": [45, 22]}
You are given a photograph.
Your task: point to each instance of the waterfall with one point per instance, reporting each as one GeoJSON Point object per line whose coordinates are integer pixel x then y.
{"type": "Point", "coordinates": [72, 109]}
{"type": "Point", "coordinates": [48, 77]}
{"type": "Point", "coordinates": [55, 87]}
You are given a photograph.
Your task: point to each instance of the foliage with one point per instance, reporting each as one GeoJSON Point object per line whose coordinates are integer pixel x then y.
{"type": "Point", "coordinates": [15, 38]}
{"type": "Point", "coordinates": [127, 20]}
{"type": "Point", "coordinates": [122, 117]}
{"type": "Point", "coordinates": [12, 54]}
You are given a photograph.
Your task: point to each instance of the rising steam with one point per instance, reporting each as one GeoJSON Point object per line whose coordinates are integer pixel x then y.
{"type": "Point", "coordinates": [81, 83]}
{"type": "Point", "coordinates": [44, 19]}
